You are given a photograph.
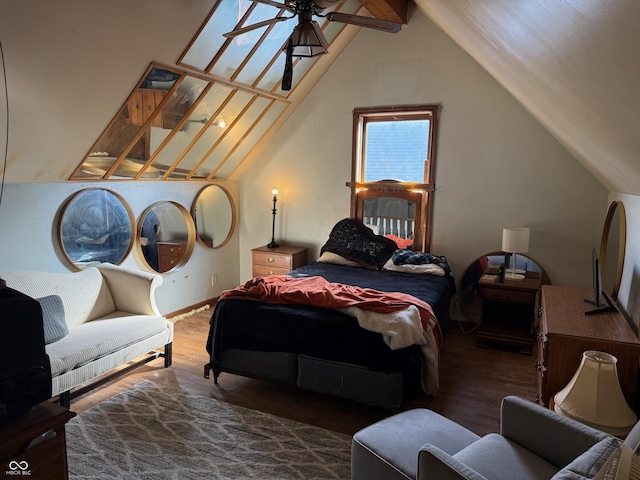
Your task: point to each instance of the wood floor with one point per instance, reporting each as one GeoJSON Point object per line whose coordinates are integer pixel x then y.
{"type": "Point", "coordinates": [472, 383]}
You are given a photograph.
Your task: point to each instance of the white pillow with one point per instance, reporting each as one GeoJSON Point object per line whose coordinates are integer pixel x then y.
{"type": "Point", "coordinates": [328, 257]}
{"type": "Point", "coordinates": [427, 268]}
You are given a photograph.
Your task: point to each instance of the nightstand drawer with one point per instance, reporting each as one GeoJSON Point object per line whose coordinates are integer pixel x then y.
{"type": "Point", "coordinates": [528, 298]}
{"type": "Point", "coordinates": [264, 270]}
{"type": "Point", "coordinates": [278, 260]}
{"type": "Point", "coordinates": [271, 260]}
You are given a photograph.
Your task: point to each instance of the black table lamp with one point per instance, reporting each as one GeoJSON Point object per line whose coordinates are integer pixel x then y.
{"type": "Point", "coordinates": [273, 243]}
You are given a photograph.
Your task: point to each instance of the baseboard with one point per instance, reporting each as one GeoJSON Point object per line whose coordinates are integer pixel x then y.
{"type": "Point", "coordinates": [211, 302]}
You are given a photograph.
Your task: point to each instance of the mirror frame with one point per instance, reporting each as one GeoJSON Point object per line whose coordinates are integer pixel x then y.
{"type": "Point", "coordinates": [233, 216]}
{"type": "Point", "coordinates": [616, 207]}
{"type": "Point", "coordinates": [190, 242]}
{"type": "Point", "coordinates": [418, 197]}
{"type": "Point", "coordinates": [69, 203]}
{"type": "Point", "coordinates": [544, 278]}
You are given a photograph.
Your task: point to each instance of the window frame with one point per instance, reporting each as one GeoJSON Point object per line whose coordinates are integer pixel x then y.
{"type": "Point", "coordinates": [363, 116]}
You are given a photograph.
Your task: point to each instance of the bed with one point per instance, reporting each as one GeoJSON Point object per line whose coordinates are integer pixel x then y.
{"type": "Point", "coordinates": [323, 347]}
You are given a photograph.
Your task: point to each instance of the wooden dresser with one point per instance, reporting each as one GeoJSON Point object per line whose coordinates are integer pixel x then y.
{"type": "Point", "coordinates": [34, 443]}
{"type": "Point", "coordinates": [277, 261]}
{"type": "Point", "coordinates": [169, 255]}
{"type": "Point", "coordinates": [566, 332]}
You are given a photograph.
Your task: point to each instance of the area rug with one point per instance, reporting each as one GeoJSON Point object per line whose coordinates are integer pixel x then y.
{"type": "Point", "coordinates": [151, 431]}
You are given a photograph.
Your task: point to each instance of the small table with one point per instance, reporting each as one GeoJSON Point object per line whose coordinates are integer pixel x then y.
{"type": "Point", "coordinates": [278, 260]}
{"type": "Point", "coordinates": [508, 310]}
{"type": "Point", "coordinates": [33, 444]}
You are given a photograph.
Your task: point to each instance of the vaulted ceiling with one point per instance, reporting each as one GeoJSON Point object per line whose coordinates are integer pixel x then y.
{"type": "Point", "coordinates": [573, 64]}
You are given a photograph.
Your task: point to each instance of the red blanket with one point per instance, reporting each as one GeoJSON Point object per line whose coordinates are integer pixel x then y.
{"type": "Point", "coordinates": [319, 292]}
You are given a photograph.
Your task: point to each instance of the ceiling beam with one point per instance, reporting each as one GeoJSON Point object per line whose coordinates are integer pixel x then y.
{"type": "Point", "coordinates": [392, 10]}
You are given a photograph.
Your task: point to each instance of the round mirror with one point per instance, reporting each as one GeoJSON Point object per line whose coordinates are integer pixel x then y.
{"type": "Point", "coordinates": [96, 226]}
{"type": "Point", "coordinates": [489, 265]}
{"type": "Point", "coordinates": [214, 215]}
{"type": "Point", "coordinates": [612, 248]}
{"type": "Point", "coordinates": [166, 236]}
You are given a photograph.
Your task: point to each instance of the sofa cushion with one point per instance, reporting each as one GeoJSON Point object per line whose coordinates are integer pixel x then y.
{"type": "Point", "coordinates": [590, 462]}
{"type": "Point", "coordinates": [85, 294]}
{"type": "Point", "coordinates": [515, 461]}
{"type": "Point", "coordinates": [53, 322]}
{"type": "Point", "coordinates": [100, 337]}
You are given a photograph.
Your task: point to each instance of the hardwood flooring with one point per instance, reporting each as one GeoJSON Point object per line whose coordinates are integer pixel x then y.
{"type": "Point", "coordinates": [472, 383]}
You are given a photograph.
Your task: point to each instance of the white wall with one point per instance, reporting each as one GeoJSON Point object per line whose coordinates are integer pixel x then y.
{"type": "Point", "coordinates": [29, 216]}
{"type": "Point", "coordinates": [497, 166]}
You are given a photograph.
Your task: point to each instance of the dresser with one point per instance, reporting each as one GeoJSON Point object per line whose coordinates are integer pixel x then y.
{"type": "Point", "coordinates": [34, 443]}
{"type": "Point", "coordinates": [566, 332]}
{"type": "Point", "coordinates": [277, 261]}
{"type": "Point", "coordinates": [170, 255]}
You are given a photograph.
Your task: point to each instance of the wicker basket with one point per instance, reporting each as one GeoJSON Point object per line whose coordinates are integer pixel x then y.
{"type": "Point", "coordinates": [623, 464]}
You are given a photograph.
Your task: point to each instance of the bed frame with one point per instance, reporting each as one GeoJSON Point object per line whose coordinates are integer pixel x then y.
{"type": "Point", "coordinates": [352, 382]}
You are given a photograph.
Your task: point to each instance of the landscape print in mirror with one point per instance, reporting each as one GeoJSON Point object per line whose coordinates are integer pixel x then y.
{"type": "Point", "coordinates": [96, 226]}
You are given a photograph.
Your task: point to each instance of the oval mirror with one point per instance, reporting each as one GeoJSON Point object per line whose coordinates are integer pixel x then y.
{"type": "Point", "coordinates": [166, 236]}
{"type": "Point", "coordinates": [612, 248]}
{"type": "Point", "coordinates": [214, 215]}
{"type": "Point", "coordinates": [489, 264]}
{"type": "Point", "coordinates": [96, 226]}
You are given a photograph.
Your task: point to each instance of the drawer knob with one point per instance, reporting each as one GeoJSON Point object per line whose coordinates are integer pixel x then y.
{"type": "Point", "coordinates": [270, 272]}
{"type": "Point", "coordinates": [271, 259]}
{"type": "Point", "coordinates": [171, 249]}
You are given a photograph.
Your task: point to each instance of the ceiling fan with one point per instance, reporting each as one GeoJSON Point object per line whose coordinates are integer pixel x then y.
{"type": "Point", "coordinates": [307, 39]}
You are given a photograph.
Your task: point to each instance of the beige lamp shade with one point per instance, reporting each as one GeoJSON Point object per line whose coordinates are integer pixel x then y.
{"type": "Point", "coordinates": [594, 397]}
{"type": "Point", "coordinates": [515, 240]}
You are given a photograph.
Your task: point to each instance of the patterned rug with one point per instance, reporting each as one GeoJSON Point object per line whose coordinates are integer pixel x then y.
{"type": "Point", "coordinates": [153, 432]}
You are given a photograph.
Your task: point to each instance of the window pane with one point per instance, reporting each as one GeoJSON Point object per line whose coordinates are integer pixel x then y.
{"type": "Point", "coordinates": [396, 150]}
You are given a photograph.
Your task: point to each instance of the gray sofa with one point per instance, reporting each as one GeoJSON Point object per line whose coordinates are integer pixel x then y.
{"type": "Point", "coordinates": [99, 319]}
{"type": "Point", "coordinates": [534, 443]}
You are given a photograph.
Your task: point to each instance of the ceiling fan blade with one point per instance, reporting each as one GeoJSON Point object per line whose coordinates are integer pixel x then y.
{"type": "Point", "coordinates": [276, 4]}
{"type": "Point", "coordinates": [368, 22]}
{"type": "Point", "coordinates": [240, 31]}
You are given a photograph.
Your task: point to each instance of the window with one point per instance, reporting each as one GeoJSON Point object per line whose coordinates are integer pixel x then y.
{"type": "Point", "coordinates": [394, 151]}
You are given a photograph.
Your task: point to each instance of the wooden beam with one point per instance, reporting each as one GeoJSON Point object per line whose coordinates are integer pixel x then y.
{"type": "Point", "coordinates": [392, 10]}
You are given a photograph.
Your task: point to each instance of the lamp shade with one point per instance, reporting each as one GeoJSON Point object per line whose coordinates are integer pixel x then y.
{"type": "Point", "coordinates": [515, 240]}
{"type": "Point", "coordinates": [594, 397]}
{"type": "Point", "coordinates": [308, 40]}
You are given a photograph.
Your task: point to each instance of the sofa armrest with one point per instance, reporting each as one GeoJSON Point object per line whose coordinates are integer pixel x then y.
{"type": "Point", "coordinates": [435, 463]}
{"type": "Point", "coordinates": [132, 291]}
{"type": "Point", "coordinates": [556, 438]}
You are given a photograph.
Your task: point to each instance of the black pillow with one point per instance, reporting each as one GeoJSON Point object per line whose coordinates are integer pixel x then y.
{"type": "Point", "coordinates": [350, 239]}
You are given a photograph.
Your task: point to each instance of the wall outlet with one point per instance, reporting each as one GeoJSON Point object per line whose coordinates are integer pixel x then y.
{"type": "Point", "coordinates": [214, 280]}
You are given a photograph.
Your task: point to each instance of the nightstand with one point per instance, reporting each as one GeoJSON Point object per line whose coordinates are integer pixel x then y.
{"type": "Point", "coordinates": [34, 444]}
{"type": "Point", "coordinates": [508, 311]}
{"type": "Point", "coordinates": [277, 261]}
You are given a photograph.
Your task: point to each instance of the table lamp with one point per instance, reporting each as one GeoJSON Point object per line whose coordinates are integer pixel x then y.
{"type": "Point", "coordinates": [594, 397]}
{"type": "Point", "coordinates": [515, 240]}
{"type": "Point", "coordinates": [273, 243]}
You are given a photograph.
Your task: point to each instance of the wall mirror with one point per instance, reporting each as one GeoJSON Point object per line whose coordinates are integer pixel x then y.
{"type": "Point", "coordinates": [166, 236]}
{"type": "Point", "coordinates": [396, 213]}
{"type": "Point", "coordinates": [470, 303]}
{"type": "Point", "coordinates": [96, 226]}
{"type": "Point", "coordinates": [612, 248]}
{"type": "Point", "coordinates": [214, 215]}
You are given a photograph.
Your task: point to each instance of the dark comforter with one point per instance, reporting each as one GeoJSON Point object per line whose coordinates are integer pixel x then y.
{"type": "Point", "coordinates": [324, 333]}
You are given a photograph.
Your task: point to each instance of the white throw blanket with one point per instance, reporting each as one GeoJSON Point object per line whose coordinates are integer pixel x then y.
{"type": "Point", "coordinates": [401, 329]}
